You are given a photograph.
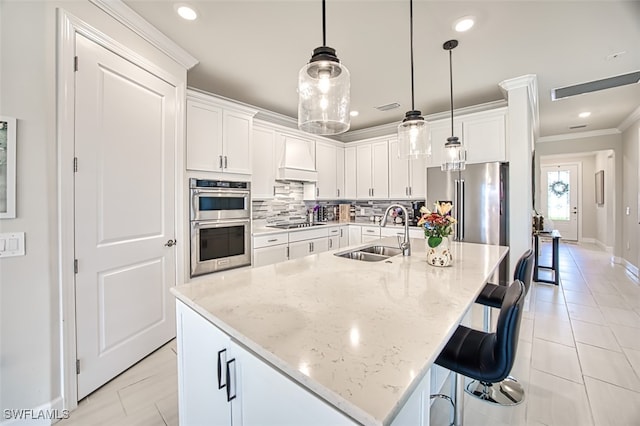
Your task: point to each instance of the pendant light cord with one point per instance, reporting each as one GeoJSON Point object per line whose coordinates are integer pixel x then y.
{"type": "Point", "coordinates": [411, 35]}
{"type": "Point", "coordinates": [324, 25]}
{"type": "Point", "coordinates": [451, 87]}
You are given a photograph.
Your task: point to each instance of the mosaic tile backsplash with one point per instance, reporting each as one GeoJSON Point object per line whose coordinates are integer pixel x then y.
{"type": "Point", "coordinates": [288, 205]}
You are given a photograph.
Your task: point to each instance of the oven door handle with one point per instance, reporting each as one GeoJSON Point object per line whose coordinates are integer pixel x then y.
{"type": "Point", "coordinates": [219, 223]}
{"type": "Point", "coordinates": [219, 192]}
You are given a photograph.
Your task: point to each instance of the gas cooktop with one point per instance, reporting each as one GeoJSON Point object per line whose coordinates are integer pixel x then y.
{"type": "Point", "coordinates": [294, 225]}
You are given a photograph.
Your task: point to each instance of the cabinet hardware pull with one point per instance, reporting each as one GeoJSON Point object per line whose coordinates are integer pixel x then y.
{"type": "Point", "coordinates": [225, 162]}
{"type": "Point", "coordinates": [220, 162]}
{"type": "Point", "coordinates": [317, 192]}
{"type": "Point", "coordinates": [229, 382]}
{"type": "Point", "coordinates": [338, 192]}
{"type": "Point", "coordinates": [171, 243]}
{"type": "Point", "coordinates": [330, 243]}
{"type": "Point", "coordinates": [220, 362]}
{"type": "Point", "coordinates": [287, 252]}
{"type": "Point", "coordinates": [273, 240]}
{"type": "Point", "coordinates": [274, 190]}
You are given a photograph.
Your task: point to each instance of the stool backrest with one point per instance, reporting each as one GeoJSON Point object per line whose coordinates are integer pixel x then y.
{"type": "Point", "coordinates": [508, 327]}
{"type": "Point", "coordinates": [524, 269]}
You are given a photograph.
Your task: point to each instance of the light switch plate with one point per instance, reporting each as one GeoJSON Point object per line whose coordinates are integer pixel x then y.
{"type": "Point", "coordinates": [12, 244]}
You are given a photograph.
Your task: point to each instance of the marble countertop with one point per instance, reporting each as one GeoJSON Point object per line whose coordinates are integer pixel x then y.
{"type": "Point", "coordinates": [360, 335]}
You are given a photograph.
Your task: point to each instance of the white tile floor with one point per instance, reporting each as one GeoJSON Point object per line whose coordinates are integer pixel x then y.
{"type": "Point", "coordinates": [578, 359]}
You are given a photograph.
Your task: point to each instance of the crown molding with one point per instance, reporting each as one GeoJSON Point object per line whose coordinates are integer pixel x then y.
{"type": "Point", "coordinates": [391, 128]}
{"type": "Point", "coordinates": [632, 118]}
{"type": "Point", "coordinates": [578, 135]}
{"type": "Point", "coordinates": [530, 81]}
{"type": "Point", "coordinates": [136, 23]}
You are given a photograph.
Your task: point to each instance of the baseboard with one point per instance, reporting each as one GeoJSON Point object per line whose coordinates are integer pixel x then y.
{"type": "Point", "coordinates": [589, 240]}
{"type": "Point", "coordinates": [46, 414]}
{"type": "Point", "coordinates": [628, 265]}
{"type": "Point", "coordinates": [606, 248]}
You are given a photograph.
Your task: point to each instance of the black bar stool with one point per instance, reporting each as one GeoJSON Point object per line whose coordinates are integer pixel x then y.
{"type": "Point", "coordinates": [482, 356]}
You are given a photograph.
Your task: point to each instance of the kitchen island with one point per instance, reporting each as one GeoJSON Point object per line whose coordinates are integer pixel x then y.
{"type": "Point", "coordinates": [358, 338]}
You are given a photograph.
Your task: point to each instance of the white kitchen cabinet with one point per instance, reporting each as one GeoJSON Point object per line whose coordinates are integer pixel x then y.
{"type": "Point", "coordinates": [355, 234]}
{"type": "Point", "coordinates": [305, 248]}
{"type": "Point", "coordinates": [327, 186]}
{"type": "Point", "coordinates": [485, 136]}
{"type": "Point", "coordinates": [440, 131]}
{"type": "Point", "coordinates": [334, 242]}
{"type": "Point", "coordinates": [372, 170]}
{"type": "Point", "coordinates": [218, 135]}
{"type": "Point", "coordinates": [482, 133]}
{"type": "Point", "coordinates": [256, 393]}
{"type": "Point", "coordinates": [335, 234]}
{"type": "Point", "coordinates": [407, 177]}
{"type": "Point", "coordinates": [370, 233]}
{"type": "Point", "coordinates": [340, 182]}
{"type": "Point", "coordinates": [265, 153]}
{"type": "Point", "coordinates": [270, 248]}
{"type": "Point", "coordinates": [350, 175]}
{"type": "Point", "coordinates": [202, 351]}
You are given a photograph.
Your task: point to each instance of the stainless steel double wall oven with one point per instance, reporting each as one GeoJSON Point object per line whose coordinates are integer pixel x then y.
{"type": "Point", "coordinates": [220, 218]}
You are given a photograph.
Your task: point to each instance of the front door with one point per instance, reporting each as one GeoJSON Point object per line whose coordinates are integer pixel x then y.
{"type": "Point", "coordinates": [125, 138]}
{"type": "Point", "coordinates": [560, 193]}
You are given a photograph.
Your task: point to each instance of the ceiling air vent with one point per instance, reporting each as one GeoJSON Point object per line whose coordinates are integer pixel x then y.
{"type": "Point", "coordinates": [594, 86]}
{"type": "Point", "coordinates": [388, 107]}
{"type": "Point", "coordinates": [577, 126]}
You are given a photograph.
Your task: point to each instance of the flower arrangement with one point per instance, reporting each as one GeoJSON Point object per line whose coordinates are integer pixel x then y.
{"type": "Point", "coordinates": [438, 223]}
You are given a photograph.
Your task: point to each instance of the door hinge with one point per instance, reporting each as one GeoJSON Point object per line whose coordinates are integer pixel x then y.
{"type": "Point", "coordinates": [75, 63]}
{"type": "Point", "coordinates": [77, 366]}
{"type": "Point", "coordinates": [75, 164]}
{"type": "Point", "coordinates": [75, 266]}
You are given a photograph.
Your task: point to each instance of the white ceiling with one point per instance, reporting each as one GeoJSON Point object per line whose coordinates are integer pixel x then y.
{"type": "Point", "coordinates": [252, 51]}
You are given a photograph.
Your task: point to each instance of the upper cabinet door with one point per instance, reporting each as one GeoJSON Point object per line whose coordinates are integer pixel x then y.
{"type": "Point", "coordinates": [237, 142]}
{"type": "Point", "coordinates": [264, 154]}
{"type": "Point", "coordinates": [204, 137]}
{"type": "Point", "coordinates": [440, 132]}
{"type": "Point", "coordinates": [363, 171]}
{"type": "Point", "coordinates": [485, 136]}
{"type": "Point", "coordinates": [398, 173]}
{"type": "Point", "coordinates": [350, 173]}
{"type": "Point", "coordinates": [380, 169]}
{"type": "Point", "coordinates": [327, 170]}
{"type": "Point", "coordinates": [340, 172]}
{"type": "Point", "coordinates": [417, 179]}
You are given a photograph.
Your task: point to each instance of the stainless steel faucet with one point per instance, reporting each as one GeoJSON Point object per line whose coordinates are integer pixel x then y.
{"type": "Point", "coordinates": [405, 245]}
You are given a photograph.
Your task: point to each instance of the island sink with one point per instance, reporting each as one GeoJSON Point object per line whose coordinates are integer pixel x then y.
{"type": "Point", "coordinates": [374, 253]}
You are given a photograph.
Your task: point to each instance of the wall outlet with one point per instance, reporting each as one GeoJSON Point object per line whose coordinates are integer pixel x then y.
{"type": "Point", "coordinates": [628, 245]}
{"type": "Point", "coordinates": [628, 210]}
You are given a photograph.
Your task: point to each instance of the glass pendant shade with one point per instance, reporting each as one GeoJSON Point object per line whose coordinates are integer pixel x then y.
{"type": "Point", "coordinates": [324, 94]}
{"type": "Point", "coordinates": [414, 137]}
{"type": "Point", "coordinates": [454, 155]}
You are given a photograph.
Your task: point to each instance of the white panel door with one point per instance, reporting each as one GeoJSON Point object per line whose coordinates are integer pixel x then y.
{"type": "Point", "coordinates": [125, 144]}
{"type": "Point", "coordinates": [560, 191]}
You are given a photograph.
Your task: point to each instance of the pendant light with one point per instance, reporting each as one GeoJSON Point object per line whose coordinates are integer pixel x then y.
{"type": "Point", "coordinates": [413, 132]}
{"type": "Point", "coordinates": [455, 155]}
{"type": "Point", "coordinates": [323, 91]}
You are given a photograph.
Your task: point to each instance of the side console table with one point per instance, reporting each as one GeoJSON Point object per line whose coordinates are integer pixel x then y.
{"type": "Point", "coordinates": [555, 261]}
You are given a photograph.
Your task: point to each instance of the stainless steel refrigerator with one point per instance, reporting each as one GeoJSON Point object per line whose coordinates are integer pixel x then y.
{"type": "Point", "coordinates": [479, 197]}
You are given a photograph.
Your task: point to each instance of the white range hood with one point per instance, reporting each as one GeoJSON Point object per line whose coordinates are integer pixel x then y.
{"type": "Point", "coordinates": [297, 163]}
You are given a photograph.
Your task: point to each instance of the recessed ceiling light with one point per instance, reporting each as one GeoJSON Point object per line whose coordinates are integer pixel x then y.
{"type": "Point", "coordinates": [464, 24]}
{"type": "Point", "coordinates": [354, 113]}
{"type": "Point", "coordinates": [186, 12]}
{"type": "Point", "coordinates": [584, 114]}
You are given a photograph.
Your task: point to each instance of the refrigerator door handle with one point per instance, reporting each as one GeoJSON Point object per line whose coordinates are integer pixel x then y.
{"type": "Point", "coordinates": [456, 207]}
{"type": "Point", "coordinates": [461, 210]}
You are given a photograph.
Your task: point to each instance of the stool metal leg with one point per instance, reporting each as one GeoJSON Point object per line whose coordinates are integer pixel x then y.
{"type": "Point", "coordinates": [458, 413]}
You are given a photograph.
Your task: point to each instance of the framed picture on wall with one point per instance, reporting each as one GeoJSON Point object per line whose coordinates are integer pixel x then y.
{"type": "Point", "coordinates": [7, 167]}
{"type": "Point", "coordinates": [600, 187]}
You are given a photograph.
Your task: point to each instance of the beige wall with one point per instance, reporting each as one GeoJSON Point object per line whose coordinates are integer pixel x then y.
{"type": "Point", "coordinates": [30, 314]}
{"type": "Point", "coordinates": [630, 165]}
{"type": "Point", "coordinates": [586, 144]}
